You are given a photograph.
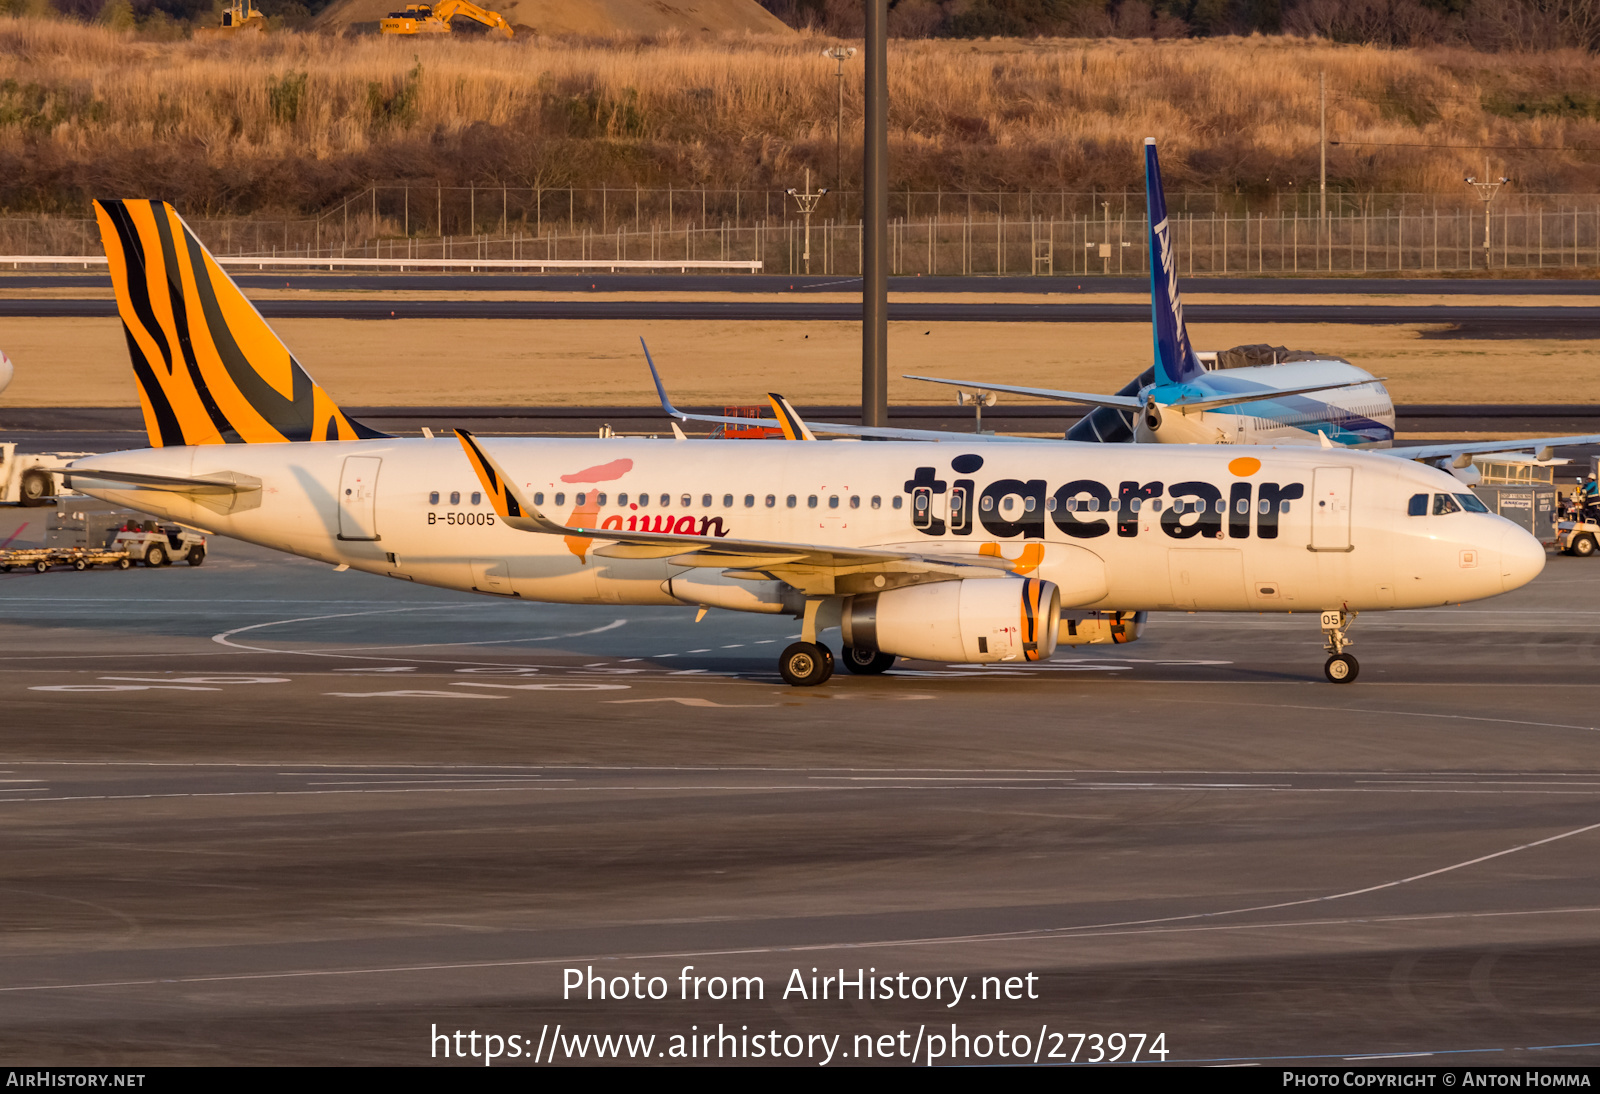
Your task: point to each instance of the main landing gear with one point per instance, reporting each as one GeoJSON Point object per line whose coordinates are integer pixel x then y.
{"type": "Point", "coordinates": [806, 664]}
{"type": "Point", "coordinates": [866, 662]}
{"type": "Point", "coordinates": [1342, 668]}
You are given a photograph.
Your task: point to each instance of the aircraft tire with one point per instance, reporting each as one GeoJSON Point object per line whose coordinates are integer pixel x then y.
{"type": "Point", "coordinates": [1341, 669]}
{"type": "Point", "coordinates": [805, 664]}
{"type": "Point", "coordinates": [866, 662]}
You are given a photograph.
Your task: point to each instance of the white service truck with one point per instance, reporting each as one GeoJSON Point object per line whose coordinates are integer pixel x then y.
{"type": "Point", "coordinates": [27, 478]}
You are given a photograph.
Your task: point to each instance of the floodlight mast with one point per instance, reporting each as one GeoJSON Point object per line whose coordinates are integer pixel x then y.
{"type": "Point", "coordinates": [875, 220]}
{"type": "Point", "coordinates": [807, 200]}
{"type": "Point", "coordinates": [1487, 189]}
{"type": "Point", "coordinates": [839, 55]}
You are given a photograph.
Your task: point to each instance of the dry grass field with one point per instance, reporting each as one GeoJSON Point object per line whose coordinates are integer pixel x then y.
{"type": "Point", "coordinates": [574, 363]}
{"type": "Point", "coordinates": [299, 120]}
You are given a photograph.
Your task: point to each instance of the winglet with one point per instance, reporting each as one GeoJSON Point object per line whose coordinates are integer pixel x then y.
{"type": "Point", "coordinates": [793, 426]}
{"type": "Point", "coordinates": [508, 503]}
{"type": "Point", "coordinates": [666, 403]}
{"type": "Point", "coordinates": [1175, 359]}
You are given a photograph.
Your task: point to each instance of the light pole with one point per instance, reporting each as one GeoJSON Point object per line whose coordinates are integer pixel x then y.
{"type": "Point", "coordinates": [839, 55]}
{"type": "Point", "coordinates": [1487, 189]}
{"type": "Point", "coordinates": [807, 200]}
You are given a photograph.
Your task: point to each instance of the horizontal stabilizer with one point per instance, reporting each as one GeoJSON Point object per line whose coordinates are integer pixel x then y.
{"type": "Point", "coordinates": [1119, 402]}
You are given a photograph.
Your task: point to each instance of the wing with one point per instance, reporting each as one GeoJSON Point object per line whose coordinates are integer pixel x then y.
{"type": "Point", "coordinates": [1118, 402]}
{"type": "Point", "coordinates": [1241, 398]}
{"type": "Point", "coordinates": [815, 569]}
{"type": "Point", "coordinates": [1474, 448]}
{"type": "Point", "coordinates": [796, 428]}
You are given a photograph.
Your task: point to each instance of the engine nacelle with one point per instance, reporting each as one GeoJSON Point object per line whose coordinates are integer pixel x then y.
{"type": "Point", "coordinates": [710, 589]}
{"type": "Point", "coordinates": [1100, 628]}
{"type": "Point", "coordinates": [976, 619]}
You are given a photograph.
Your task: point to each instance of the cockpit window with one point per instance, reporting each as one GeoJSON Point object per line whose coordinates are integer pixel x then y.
{"type": "Point", "coordinates": [1471, 504]}
{"type": "Point", "coordinates": [1417, 508]}
{"type": "Point", "coordinates": [1444, 503]}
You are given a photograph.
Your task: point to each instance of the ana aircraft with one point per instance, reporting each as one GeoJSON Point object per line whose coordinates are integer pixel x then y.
{"type": "Point", "coordinates": [978, 552]}
{"type": "Point", "coordinates": [1317, 402]}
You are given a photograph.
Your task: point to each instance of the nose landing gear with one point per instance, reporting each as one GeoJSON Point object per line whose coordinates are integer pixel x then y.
{"type": "Point", "coordinates": [1341, 667]}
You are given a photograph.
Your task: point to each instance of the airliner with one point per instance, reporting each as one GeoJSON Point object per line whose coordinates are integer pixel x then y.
{"type": "Point", "coordinates": [1318, 402]}
{"type": "Point", "coordinates": [977, 552]}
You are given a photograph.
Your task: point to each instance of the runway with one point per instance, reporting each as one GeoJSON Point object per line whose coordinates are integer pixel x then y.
{"type": "Point", "coordinates": [1466, 321]}
{"type": "Point", "coordinates": [262, 811]}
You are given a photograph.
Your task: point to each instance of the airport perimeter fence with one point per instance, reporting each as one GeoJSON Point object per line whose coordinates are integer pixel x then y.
{"type": "Point", "coordinates": [1041, 234]}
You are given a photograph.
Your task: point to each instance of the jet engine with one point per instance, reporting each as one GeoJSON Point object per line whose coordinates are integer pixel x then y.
{"type": "Point", "coordinates": [975, 619]}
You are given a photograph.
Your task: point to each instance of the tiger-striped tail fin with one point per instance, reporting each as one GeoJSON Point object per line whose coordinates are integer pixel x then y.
{"type": "Point", "coordinates": [209, 368]}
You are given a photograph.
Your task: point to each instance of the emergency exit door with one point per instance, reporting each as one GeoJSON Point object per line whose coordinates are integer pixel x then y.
{"type": "Point", "coordinates": [358, 498]}
{"type": "Point", "coordinates": [1330, 508]}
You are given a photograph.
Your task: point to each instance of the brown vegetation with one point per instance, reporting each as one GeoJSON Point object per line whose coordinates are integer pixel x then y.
{"type": "Point", "coordinates": [296, 121]}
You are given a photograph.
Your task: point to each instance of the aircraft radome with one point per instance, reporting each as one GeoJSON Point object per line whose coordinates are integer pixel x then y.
{"type": "Point", "coordinates": [968, 552]}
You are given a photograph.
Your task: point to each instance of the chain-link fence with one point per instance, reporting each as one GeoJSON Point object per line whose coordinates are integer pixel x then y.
{"type": "Point", "coordinates": [1060, 234]}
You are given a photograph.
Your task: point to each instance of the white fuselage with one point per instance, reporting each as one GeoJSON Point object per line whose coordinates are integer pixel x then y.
{"type": "Point", "coordinates": [1357, 416]}
{"type": "Point", "coordinates": [1304, 529]}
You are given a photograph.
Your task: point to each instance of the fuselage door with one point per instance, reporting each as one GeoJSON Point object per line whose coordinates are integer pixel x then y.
{"type": "Point", "coordinates": [1330, 508]}
{"type": "Point", "coordinates": [960, 510]}
{"type": "Point", "coordinates": [358, 498]}
{"type": "Point", "coordinates": [922, 507]}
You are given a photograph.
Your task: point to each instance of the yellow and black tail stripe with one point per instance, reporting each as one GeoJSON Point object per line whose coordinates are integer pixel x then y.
{"type": "Point", "coordinates": [210, 370]}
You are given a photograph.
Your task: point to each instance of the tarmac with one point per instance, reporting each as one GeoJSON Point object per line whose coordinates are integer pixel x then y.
{"type": "Point", "coordinates": [266, 812]}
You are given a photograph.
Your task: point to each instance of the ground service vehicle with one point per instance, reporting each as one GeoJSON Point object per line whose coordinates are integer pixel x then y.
{"type": "Point", "coordinates": [1577, 537]}
{"type": "Point", "coordinates": [160, 545]}
{"type": "Point", "coordinates": [29, 479]}
{"type": "Point", "coordinates": [438, 19]}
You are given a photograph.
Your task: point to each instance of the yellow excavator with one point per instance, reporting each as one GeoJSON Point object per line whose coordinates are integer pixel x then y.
{"type": "Point", "coordinates": [237, 16]}
{"type": "Point", "coordinates": [435, 18]}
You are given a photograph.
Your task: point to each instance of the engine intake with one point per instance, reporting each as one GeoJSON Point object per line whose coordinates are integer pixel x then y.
{"type": "Point", "coordinates": [975, 619]}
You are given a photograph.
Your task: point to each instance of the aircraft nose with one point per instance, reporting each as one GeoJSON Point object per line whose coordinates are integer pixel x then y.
{"type": "Point", "coordinates": [1521, 558]}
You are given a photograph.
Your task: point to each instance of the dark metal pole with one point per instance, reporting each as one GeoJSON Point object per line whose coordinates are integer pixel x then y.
{"type": "Point", "coordinates": [875, 222]}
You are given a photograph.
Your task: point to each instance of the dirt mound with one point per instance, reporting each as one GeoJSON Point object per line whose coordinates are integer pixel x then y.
{"type": "Point", "coordinates": [597, 17]}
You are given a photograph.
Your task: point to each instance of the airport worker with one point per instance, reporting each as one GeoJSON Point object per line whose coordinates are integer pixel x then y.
{"type": "Point", "coordinates": [1589, 494]}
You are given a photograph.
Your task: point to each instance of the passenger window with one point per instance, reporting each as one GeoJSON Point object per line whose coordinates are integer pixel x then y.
{"type": "Point", "coordinates": [433, 498]}
{"type": "Point", "coordinates": [1444, 504]}
{"type": "Point", "coordinates": [1418, 506]}
{"type": "Point", "coordinates": [772, 499]}
{"type": "Point", "coordinates": [727, 501]}
{"type": "Point", "coordinates": [1133, 505]}
{"type": "Point", "coordinates": [1283, 507]}
{"type": "Point", "coordinates": [477, 497]}
{"type": "Point", "coordinates": [538, 499]}
{"type": "Point", "coordinates": [1263, 507]}
{"type": "Point", "coordinates": [455, 497]}
{"type": "Point", "coordinates": [1471, 504]}
{"type": "Point", "coordinates": [922, 503]}
{"type": "Point", "coordinates": [622, 499]}
{"type": "Point", "coordinates": [1155, 505]}
{"type": "Point", "coordinates": [1008, 503]}
{"type": "Point", "coordinates": [1243, 505]}
{"type": "Point", "coordinates": [600, 499]}
{"type": "Point", "coordinates": [1114, 505]}
{"type": "Point", "coordinates": [1221, 506]}
{"type": "Point", "coordinates": [855, 501]}
{"type": "Point", "coordinates": [561, 499]}
{"type": "Point", "coordinates": [1050, 504]}
{"type": "Point", "coordinates": [833, 501]}
{"type": "Point", "coordinates": [1094, 505]}
{"type": "Point", "coordinates": [582, 499]}
{"type": "Point", "coordinates": [877, 501]}
{"type": "Point", "coordinates": [898, 500]}
{"type": "Point", "coordinates": [811, 501]}
{"type": "Point", "coordinates": [789, 501]}
{"type": "Point", "coordinates": [1072, 505]}
{"type": "Point", "coordinates": [688, 501]}
{"type": "Point", "coordinates": [986, 504]}
{"type": "Point", "coordinates": [666, 499]}
{"type": "Point", "coordinates": [705, 501]}
{"type": "Point", "coordinates": [750, 501]}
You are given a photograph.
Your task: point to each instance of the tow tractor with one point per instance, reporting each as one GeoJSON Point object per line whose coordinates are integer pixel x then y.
{"type": "Point", "coordinates": [1577, 537]}
{"type": "Point", "coordinates": [155, 544]}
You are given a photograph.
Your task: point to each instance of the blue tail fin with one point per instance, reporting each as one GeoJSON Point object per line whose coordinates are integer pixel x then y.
{"type": "Point", "coordinates": [1175, 359]}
